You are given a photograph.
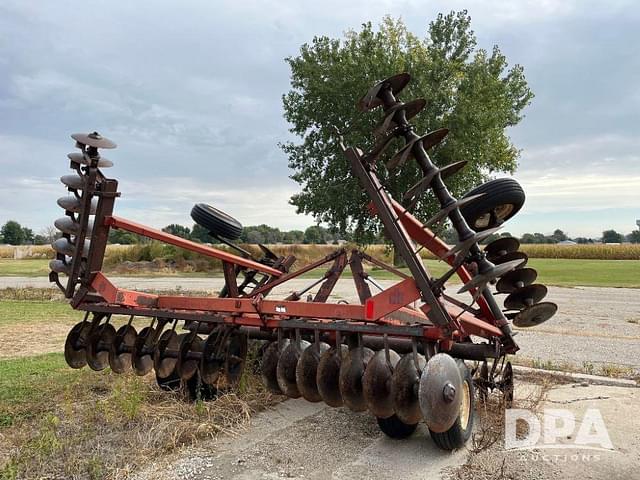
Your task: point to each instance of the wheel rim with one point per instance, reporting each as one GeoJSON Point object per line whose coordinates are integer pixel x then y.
{"type": "Point", "coordinates": [500, 212]}
{"type": "Point", "coordinates": [465, 406]}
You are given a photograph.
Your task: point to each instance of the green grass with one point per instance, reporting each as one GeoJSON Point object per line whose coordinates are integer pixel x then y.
{"type": "Point", "coordinates": [22, 379]}
{"type": "Point", "coordinates": [24, 268]}
{"type": "Point", "coordinates": [17, 311]}
{"type": "Point", "coordinates": [590, 273]}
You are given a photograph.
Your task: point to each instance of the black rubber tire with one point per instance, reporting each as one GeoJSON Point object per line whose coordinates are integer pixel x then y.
{"type": "Point", "coordinates": [458, 435]}
{"type": "Point", "coordinates": [395, 428]}
{"type": "Point", "coordinates": [194, 388]}
{"type": "Point", "coordinates": [503, 194]}
{"type": "Point", "coordinates": [215, 221]}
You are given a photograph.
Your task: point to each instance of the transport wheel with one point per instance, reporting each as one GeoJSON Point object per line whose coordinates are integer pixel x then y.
{"type": "Point", "coordinates": [216, 221]}
{"type": "Point", "coordinates": [395, 428]}
{"type": "Point", "coordinates": [502, 199]}
{"type": "Point", "coordinates": [460, 432]}
{"type": "Point", "coordinates": [194, 387]}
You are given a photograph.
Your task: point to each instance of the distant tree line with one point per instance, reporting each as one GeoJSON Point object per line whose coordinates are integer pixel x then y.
{"type": "Point", "coordinates": [13, 233]}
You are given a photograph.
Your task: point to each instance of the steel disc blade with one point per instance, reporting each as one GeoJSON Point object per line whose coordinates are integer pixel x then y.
{"type": "Point", "coordinates": [286, 369]}
{"type": "Point", "coordinates": [73, 204]}
{"type": "Point", "coordinates": [404, 388]}
{"type": "Point", "coordinates": [85, 160]}
{"type": "Point", "coordinates": [376, 383]}
{"type": "Point", "coordinates": [142, 355]}
{"type": "Point", "coordinates": [328, 377]}
{"type": "Point", "coordinates": [212, 360]}
{"type": "Point", "coordinates": [511, 257]}
{"type": "Point", "coordinates": [479, 281]}
{"type": "Point", "coordinates": [440, 392]}
{"type": "Point", "coordinates": [411, 109]}
{"type": "Point", "coordinates": [351, 373]}
{"type": "Point", "coordinates": [307, 371]}
{"type": "Point", "coordinates": [165, 355]}
{"type": "Point", "coordinates": [501, 247]}
{"type": "Point", "coordinates": [65, 247]}
{"type": "Point", "coordinates": [93, 139]}
{"type": "Point", "coordinates": [67, 225]}
{"type": "Point", "coordinates": [98, 346]}
{"type": "Point", "coordinates": [515, 279]}
{"type": "Point", "coordinates": [371, 99]}
{"type": "Point", "coordinates": [525, 297]}
{"type": "Point", "coordinates": [445, 211]}
{"type": "Point", "coordinates": [59, 266]}
{"type": "Point", "coordinates": [428, 141]}
{"type": "Point", "coordinates": [237, 348]}
{"type": "Point", "coordinates": [535, 314]}
{"type": "Point", "coordinates": [451, 169]}
{"type": "Point", "coordinates": [186, 366]}
{"type": "Point", "coordinates": [269, 365]}
{"type": "Point", "coordinates": [74, 351]}
{"type": "Point", "coordinates": [120, 351]}
{"type": "Point", "coordinates": [74, 182]}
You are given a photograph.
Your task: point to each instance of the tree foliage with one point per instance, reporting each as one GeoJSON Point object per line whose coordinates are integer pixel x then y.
{"type": "Point", "coordinates": [469, 90]}
{"type": "Point", "coordinates": [13, 233]}
{"type": "Point", "coordinates": [611, 236]}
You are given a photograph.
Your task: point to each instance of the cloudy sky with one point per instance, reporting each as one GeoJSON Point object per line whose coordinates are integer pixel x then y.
{"type": "Point", "coordinates": [191, 93]}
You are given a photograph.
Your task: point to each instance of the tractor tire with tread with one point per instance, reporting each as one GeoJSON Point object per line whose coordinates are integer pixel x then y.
{"type": "Point", "coordinates": [458, 434]}
{"type": "Point", "coordinates": [216, 221]}
{"type": "Point", "coordinates": [503, 197]}
{"type": "Point", "coordinates": [393, 427]}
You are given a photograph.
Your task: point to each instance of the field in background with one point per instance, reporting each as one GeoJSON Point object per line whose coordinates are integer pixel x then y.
{"type": "Point", "coordinates": [308, 253]}
{"type": "Point", "coordinates": [587, 265]}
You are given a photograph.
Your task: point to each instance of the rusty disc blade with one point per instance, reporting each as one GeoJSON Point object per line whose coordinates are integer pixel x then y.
{"type": "Point", "coordinates": [479, 281]}
{"type": "Point", "coordinates": [142, 355]}
{"type": "Point", "coordinates": [269, 365]}
{"type": "Point", "coordinates": [307, 371]}
{"type": "Point", "coordinates": [376, 383]}
{"type": "Point", "coordinates": [74, 351]}
{"type": "Point", "coordinates": [67, 225]}
{"type": "Point", "coordinates": [187, 365]}
{"type": "Point", "coordinates": [120, 351]}
{"type": "Point", "coordinates": [212, 360]}
{"type": "Point", "coordinates": [404, 388]}
{"type": "Point", "coordinates": [440, 392]}
{"type": "Point", "coordinates": [515, 279]}
{"type": "Point", "coordinates": [525, 297]}
{"type": "Point", "coordinates": [351, 373]}
{"type": "Point", "coordinates": [328, 377]}
{"type": "Point", "coordinates": [73, 204]}
{"type": "Point", "coordinates": [165, 355]}
{"type": "Point", "coordinates": [286, 369]}
{"type": "Point", "coordinates": [371, 99]}
{"type": "Point", "coordinates": [59, 266]}
{"type": "Point", "coordinates": [500, 247]}
{"type": "Point", "coordinates": [98, 346]}
{"type": "Point", "coordinates": [235, 359]}
{"type": "Point", "coordinates": [93, 139]}
{"type": "Point", "coordinates": [510, 257]}
{"type": "Point", "coordinates": [85, 160]}
{"type": "Point", "coordinates": [535, 314]}
{"type": "Point", "coordinates": [428, 141]}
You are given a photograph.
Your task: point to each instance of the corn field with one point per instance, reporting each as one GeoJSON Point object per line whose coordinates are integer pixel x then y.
{"type": "Point", "coordinates": [117, 254]}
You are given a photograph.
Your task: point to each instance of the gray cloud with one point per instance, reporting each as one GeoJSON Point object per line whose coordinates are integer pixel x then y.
{"type": "Point", "coordinates": [191, 93]}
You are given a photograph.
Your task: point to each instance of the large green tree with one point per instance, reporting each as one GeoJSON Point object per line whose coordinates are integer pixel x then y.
{"type": "Point", "coordinates": [469, 90]}
{"type": "Point", "coordinates": [13, 233]}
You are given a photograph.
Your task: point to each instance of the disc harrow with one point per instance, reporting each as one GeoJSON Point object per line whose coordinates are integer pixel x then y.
{"type": "Point", "coordinates": [405, 353]}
